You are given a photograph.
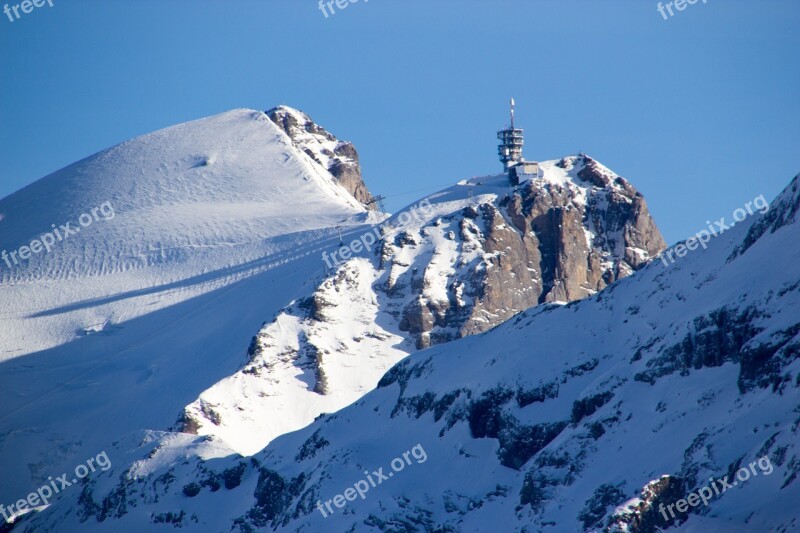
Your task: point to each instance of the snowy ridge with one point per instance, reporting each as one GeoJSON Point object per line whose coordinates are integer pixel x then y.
{"type": "Point", "coordinates": [312, 138]}
{"type": "Point", "coordinates": [546, 422]}
{"type": "Point", "coordinates": [217, 224]}
{"type": "Point", "coordinates": [187, 201]}
{"type": "Point", "coordinates": [432, 280]}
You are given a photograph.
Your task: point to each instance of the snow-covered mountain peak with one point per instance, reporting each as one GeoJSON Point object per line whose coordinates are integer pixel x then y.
{"type": "Point", "coordinates": [583, 176]}
{"type": "Point", "coordinates": [233, 176]}
{"type": "Point", "coordinates": [176, 203]}
{"type": "Point", "coordinates": [214, 313]}
{"type": "Point", "coordinates": [208, 227]}
{"type": "Point", "coordinates": [297, 124]}
{"type": "Point", "coordinates": [782, 212]}
{"type": "Point", "coordinates": [457, 263]}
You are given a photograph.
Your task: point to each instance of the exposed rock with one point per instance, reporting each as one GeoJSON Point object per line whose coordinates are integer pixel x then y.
{"type": "Point", "coordinates": [782, 212]}
{"type": "Point", "coordinates": [340, 158]}
{"type": "Point", "coordinates": [724, 336]}
{"type": "Point", "coordinates": [534, 426]}
{"type": "Point", "coordinates": [545, 242]}
{"type": "Point", "coordinates": [641, 515]}
{"type": "Point", "coordinates": [604, 496]}
{"type": "Point", "coordinates": [273, 496]}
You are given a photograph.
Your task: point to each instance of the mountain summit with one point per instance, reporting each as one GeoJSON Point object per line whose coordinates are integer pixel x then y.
{"type": "Point", "coordinates": [207, 229]}
{"type": "Point", "coordinates": [477, 254]}
{"type": "Point", "coordinates": [206, 311]}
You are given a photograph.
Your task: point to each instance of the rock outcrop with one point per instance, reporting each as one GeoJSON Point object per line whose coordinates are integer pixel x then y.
{"type": "Point", "coordinates": [340, 158]}
{"type": "Point", "coordinates": [556, 239]}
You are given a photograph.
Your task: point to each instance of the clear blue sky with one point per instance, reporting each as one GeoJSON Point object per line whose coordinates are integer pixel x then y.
{"type": "Point", "coordinates": [701, 112]}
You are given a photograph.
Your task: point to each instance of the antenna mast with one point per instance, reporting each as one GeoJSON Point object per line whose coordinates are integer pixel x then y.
{"type": "Point", "coordinates": [512, 113]}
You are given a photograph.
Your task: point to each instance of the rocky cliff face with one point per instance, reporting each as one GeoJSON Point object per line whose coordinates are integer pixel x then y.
{"type": "Point", "coordinates": [337, 157]}
{"type": "Point", "coordinates": [458, 263]}
{"type": "Point", "coordinates": [556, 239]}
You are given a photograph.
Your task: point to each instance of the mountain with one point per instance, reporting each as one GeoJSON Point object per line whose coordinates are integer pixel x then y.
{"type": "Point", "coordinates": [193, 236]}
{"type": "Point", "coordinates": [606, 414]}
{"type": "Point", "coordinates": [456, 263]}
{"type": "Point", "coordinates": [180, 202]}
{"type": "Point", "coordinates": [149, 313]}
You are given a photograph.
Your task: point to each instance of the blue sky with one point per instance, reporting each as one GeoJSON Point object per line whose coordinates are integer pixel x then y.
{"type": "Point", "coordinates": [700, 112]}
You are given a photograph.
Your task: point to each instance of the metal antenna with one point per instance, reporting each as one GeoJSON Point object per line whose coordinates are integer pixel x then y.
{"type": "Point", "coordinates": [512, 112]}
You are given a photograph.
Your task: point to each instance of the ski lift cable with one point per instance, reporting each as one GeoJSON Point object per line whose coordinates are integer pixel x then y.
{"type": "Point", "coordinates": [403, 193]}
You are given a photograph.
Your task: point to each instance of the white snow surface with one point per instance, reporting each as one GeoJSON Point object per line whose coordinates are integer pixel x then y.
{"type": "Point", "coordinates": [216, 225]}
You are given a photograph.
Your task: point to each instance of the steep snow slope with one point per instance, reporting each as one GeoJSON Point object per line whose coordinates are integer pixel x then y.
{"type": "Point", "coordinates": [206, 228]}
{"type": "Point", "coordinates": [183, 201]}
{"type": "Point", "coordinates": [568, 418]}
